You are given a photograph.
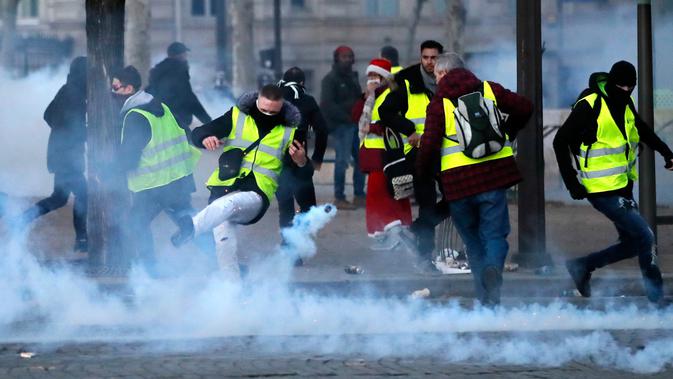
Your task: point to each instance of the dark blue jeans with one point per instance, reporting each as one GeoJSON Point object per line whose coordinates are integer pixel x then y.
{"type": "Point", "coordinates": [346, 145]}
{"type": "Point", "coordinates": [483, 223]}
{"type": "Point", "coordinates": [636, 239]}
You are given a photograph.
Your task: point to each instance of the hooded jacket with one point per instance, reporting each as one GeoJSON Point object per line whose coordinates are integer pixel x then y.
{"type": "Point", "coordinates": [581, 127]}
{"type": "Point", "coordinates": [220, 127]}
{"type": "Point", "coordinates": [66, 116]}
{"type": "Point", "coordinates": [169, 82]}
{"type": "Point", "coordinates": [392, 110]}
{"type": "Point", "coordinates": [138, 133]}
{"type": "Point", "coordinates": [464, 181]}
{"type": "Point", "coordinates": [311, 117]}
{"type": "Point", "coordinates": [339, 91]}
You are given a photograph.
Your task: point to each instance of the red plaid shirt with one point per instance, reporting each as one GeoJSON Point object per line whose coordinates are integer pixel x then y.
{"type": "Point", "coordinates": [461, 182]}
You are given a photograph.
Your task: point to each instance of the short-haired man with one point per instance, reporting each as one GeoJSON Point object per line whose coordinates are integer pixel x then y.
{"type": "Point", "coordinates": [404, 111]}
{"type": "Point", "coordinates": [158, 159]}
{"type": "Point", "coordinates": [262, 124]}
{"type": "Point", "coordinates": [602, 133]}
{"type": "Point", "coordinates": [474, 188]}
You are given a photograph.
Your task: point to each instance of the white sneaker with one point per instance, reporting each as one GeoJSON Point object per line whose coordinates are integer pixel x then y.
{"type": "Point", "coordinates": [383, 242]}
{"type": "Point", "coordinates": [402, 234]}
{"type": "Point", "coordinates": [452, 266]}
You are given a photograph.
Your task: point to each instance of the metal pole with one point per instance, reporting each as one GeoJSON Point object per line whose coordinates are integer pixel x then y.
{"type": "Point", "coordinates": [647, 185]}
{"type": "Point", "coordinates": [278, 56]}
{"type": "Point", "coordinates": [532, 239]}
{"type": "Point", "coordinates": [177, 15]}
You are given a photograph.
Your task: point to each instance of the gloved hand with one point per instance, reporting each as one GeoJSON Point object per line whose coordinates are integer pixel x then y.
{"type": "Point", "coordinates": [669, 163]}
{"type": "Point", "coordinates": [577, 191]}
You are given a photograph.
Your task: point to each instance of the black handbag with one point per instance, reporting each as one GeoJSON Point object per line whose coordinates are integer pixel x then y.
{"type": "Point", "coordinates": [230, 161]}
{"type": "Point", "coordinates": [398, 172]}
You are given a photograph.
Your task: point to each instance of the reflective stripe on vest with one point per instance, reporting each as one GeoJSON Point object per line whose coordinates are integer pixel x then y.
{"type": "Point", "coordinates": [166, 158]}
{"type": "Point", "coordinates": [265, 162]}
{"type": "Point", "coordinates": [417, 103]}
{"type": "Point", "coordinates": [375, 141]}
{"type": "Point", "coordinates": [609, 163]}
{"type": "Point", "coordinates": [452, 152]}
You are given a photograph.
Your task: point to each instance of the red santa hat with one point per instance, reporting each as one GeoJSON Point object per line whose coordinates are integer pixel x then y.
{"type": "Point", "coordinates": [380, 66]}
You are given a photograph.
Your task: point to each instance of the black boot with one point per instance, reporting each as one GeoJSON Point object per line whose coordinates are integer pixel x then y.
{"type": "Point", "coordinates": [581, 276]}
{"type": "Point", "coordinates": [185, 233]}
{"type": "Point", "coordinates": [654, 284]}
{"type": "Point", "coordinates": [491, 279]}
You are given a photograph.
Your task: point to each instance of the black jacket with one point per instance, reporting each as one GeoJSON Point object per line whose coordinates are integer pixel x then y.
{"type": "Point", "coordinates": [311, 118]}
{"type": "Point", "coordinates": [221, 127]}
{"type": "Point", "coordinates": [66, 116]}
{"type": "Point", "coordinates": [169, 82]}
{"type": "Point", "coordinates": [339, 91]}
{"type": "Point", "coordinates": [581, 127]}
{"type": "Point", "coordinates": [137, 134]}
{"type": "Point", "coordinates": [395, 106]}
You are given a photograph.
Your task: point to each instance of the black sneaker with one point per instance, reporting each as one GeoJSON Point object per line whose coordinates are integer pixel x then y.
{"type": "Point", "coordinates": [580, 275]}
{"type": "Point", "coordinates": [491, 279]}
{"type": "Point", "coordinates": [654, 284]}
{"type": "Point", "coordinates": [185, 233]}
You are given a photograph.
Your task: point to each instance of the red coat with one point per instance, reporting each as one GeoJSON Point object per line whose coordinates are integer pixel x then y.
{"type": "Point", "coordinates": [461, 182]}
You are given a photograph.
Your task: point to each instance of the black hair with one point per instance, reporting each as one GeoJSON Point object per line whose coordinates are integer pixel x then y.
{"type": "Point", "coordinates": [294, 74]}
{"type": "Point", "coordinates": [432, 44]}
{"type": "Point", "coordinates": [129, 75]}
{"type": "Point", "coordinates": [390, 53]}
{"type": "Point", "coordinates": [271, 92]}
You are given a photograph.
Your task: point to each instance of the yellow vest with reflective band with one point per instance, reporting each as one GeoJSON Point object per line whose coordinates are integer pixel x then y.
{"type": "Point", "coordinates": [396, 69]}
{"type": "Point", "coordinates": [610, 162]}
{"type": "Point", "coordinates": [265, 162]}
{"type": "Point", "coordinates": [373, 140]}
{"type": "Point", "coordinates": [452, 152]}
{"type": "Point", "coordinates": [417, 103]}
{"type": "Point", "coordinates": [166, 158]}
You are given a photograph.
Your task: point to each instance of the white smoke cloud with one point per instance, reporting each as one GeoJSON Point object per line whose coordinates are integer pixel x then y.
{"type": "Point", "coordinates": [60, 304]}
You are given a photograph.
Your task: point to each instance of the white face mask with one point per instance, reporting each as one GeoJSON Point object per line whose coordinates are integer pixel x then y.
{"type": "Point", "coordinates": [374, 81]}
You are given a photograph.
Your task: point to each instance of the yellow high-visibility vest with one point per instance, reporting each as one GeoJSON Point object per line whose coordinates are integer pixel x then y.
{"type": "Point", "coordinates": [265, 162]}
{"type": "Point", "coordinates": [167, 157]}
{"type": "Point", "coordinates": [452, 152]}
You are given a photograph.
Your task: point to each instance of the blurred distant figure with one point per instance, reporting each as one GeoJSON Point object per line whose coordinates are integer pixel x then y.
{"type": "Point", "coordinates": [390, 53]}
{"type": "Point", "coordinates": [298, 184]}
{"type": "Point", "coordinates": [169, 82]}
{"type": "Point", "coordinates": [340, 91]}
{"type": "Point", "coordinates": [66, 116]}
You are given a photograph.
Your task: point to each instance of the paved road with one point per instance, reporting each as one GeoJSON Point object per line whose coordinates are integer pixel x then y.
{"type": "Point", "coordinates": [283, 356]}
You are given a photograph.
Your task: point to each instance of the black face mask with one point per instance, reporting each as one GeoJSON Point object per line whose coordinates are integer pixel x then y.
{"type": "Point", "coordinates": [617, 95]}
{"type": "Point", "coordinates": [263, 120]}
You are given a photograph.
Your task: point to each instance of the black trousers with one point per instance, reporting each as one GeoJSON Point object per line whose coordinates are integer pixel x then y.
{"type": "Point", "coordinates": [64, 185]}
{"type": "Point", "coordinates": [145, 208]}
{"type": "Point", "coordinates": [295, 185]}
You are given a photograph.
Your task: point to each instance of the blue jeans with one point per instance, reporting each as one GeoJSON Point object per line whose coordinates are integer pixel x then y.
{"type": "Point", "coordinates": [635, 239]}
{"type": "Point", "coordinates": [483, 223]}
{"type": "Point", "coordinates": [346, 146]}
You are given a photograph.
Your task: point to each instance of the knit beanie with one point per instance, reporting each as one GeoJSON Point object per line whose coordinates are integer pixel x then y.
{"type": "Point", "coordinates": [623, 73]}
{"type": "Point", "coordinates": [381, 67]}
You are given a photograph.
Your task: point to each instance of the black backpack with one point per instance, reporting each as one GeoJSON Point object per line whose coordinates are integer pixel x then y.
{"type": "Point", "coordinates": [478, 126]}
{"type": "Point", "coordinates": [397, 170]}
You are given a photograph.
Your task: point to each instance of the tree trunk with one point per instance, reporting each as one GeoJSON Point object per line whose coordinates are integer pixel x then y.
{"type": "Point", "coordinates": [242, 17]}
{"type": "Point", "coordinates": [137, 36]}
{"type": "Point", "coordinates": [107, 190]}
{"type": "Point", "coordinates": [455, 26]}
{"type": "Point", "coordinates": [411, 42]}
{"type": "Point", "coordinates": [9, 9]}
